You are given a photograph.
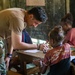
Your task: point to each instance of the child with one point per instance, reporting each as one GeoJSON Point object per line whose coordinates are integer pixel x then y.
{"type": "Point", "coordinates": [66, 23]}
{"type": "Point", "coordinates": [58, 58]}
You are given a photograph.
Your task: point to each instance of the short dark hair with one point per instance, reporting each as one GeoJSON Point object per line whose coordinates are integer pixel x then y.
{"type": "Point", "coordinates": [68, 18]}
{"type": "Point", "coordinates": [39, 13]}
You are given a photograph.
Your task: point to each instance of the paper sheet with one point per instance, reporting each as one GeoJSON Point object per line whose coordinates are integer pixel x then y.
{"type": "Point", "coordinates": [72, 57]}
{"type": "Point", "coordinates": [32, 51]}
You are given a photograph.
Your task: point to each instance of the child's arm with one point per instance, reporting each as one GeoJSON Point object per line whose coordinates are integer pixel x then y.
{"type": "Point", "coordinates": [43, 67]}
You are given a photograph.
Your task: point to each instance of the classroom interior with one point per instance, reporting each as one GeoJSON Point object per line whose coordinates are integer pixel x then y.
{"type": "Point", "coordinates": [55, 10]}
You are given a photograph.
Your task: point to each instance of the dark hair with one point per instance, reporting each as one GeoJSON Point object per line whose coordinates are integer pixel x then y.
{"type": "Point", "coordinates": [57, 34]}
{"type": "Point", "coordinates": [68, 18]}
{"type": "Point", "coordinates": [39, 14]}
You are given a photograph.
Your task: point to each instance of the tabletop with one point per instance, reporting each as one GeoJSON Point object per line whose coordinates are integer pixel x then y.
{"type": "Point", "coordinates": [37, 54]}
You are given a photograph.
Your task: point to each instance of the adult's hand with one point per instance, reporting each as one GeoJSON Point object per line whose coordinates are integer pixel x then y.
{"type": "Point", "coordinates": [7, 60]}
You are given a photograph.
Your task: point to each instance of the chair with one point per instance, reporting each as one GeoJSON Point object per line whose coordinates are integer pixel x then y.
{"type": "Point", "coordinates": [32, 70]}
{"type": "Point", "coordinates": [13, 73]}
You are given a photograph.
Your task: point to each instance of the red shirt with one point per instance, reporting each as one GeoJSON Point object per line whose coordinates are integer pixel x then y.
{"type": "Point", "coordinates": [57, 54]}
{"type": "Point", "coordinates": [70, 37]}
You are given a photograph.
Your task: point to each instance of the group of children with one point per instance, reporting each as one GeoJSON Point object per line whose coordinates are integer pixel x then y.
{"type": "Point", "coordinates": [61, 38]}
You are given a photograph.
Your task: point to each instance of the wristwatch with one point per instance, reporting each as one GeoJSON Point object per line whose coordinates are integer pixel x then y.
{"type": "Point", "coordinates": [9, 55]}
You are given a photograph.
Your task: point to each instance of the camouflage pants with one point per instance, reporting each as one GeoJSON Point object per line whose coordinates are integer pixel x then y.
{"type": "Point", "coordinates": [2, 55]}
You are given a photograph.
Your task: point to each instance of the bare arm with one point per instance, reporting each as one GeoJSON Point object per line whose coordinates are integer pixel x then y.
{"type": "Point", "coordinates": [42, 66]}
{"type": "Point", "coordinates": [18, 44]}
{"type": "Point", "coordinates": [43, 69]}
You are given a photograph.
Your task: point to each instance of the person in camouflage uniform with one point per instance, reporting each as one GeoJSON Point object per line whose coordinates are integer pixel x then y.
{"type": "Point", "coordinates": [2, 56]}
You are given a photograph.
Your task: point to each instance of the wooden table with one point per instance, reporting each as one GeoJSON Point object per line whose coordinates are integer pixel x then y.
{"type": "Point", "coordinates": [28, 57]}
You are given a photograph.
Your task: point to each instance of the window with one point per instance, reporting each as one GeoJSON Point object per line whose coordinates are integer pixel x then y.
{"type": "Point", "coordinates": [38, 41]}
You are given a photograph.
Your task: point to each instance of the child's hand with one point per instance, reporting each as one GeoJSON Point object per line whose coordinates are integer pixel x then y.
{"type": "Point", "coordinates": [36, 62]}
{"type": "Point", "coordinates": [46, 48]}
{"type": "Point", "coordinates": [43, 47]}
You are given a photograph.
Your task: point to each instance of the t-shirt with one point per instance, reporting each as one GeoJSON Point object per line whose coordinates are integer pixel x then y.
{"type": "Point", "coordinates": [70, 37]}
{"type": "Point", "coordinates": [12, 19]}
{"type": "Point", "coordinates": [26, 37]}
{"type": "Point", "coordinates": [58, 59]}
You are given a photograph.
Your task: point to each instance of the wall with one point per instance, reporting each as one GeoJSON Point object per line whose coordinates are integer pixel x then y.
{"type": "Point", "coordinates": [72, 10]}
{"type": "Point", "coordinates": [55, 10]}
